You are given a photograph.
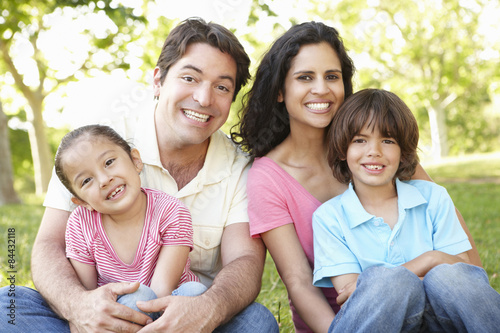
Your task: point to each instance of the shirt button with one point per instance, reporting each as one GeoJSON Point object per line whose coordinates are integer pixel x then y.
{"type": "Point", "coordinates": [392, 243]}
{"type": "Point", "coordinates": [207, 242]}
{"type": "Point", "coordinates": [377, 223]}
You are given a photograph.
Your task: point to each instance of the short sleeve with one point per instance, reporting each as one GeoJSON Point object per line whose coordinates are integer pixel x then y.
{"type": "Point", "coordinates": [448, 234]}
{"type": "Point", "coordinates": [76, 246]}
{"type": "Point", "coordinates": [238, 208]}
{"type": "Point", "coordinates": [267, 207]}
{"type": "Point", "coordinates": [176, 227]}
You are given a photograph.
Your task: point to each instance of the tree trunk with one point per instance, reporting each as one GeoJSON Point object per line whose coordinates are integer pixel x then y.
{"type": "Point", "coordinates": [40, 151]}
{"type": "Point", "coordinates": [439, 133]}
{"type": "Point", "coordinates": [7, 193]}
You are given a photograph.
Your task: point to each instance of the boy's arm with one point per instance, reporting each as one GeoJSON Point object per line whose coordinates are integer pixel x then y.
{"type": "Point", "coordinates": [86, 273]}
{"type": "Point", "coordinates": [473, 254]}
{"type": "Point", "coordinates": [169, 268]}
{"type": "Point", "coordinates": [345, 286]}
{"type": "Point", "coordinates": [428, 260]}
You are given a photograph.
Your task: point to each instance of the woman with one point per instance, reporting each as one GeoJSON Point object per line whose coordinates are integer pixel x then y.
{"type": "Point", "coordinates": [300, 84]}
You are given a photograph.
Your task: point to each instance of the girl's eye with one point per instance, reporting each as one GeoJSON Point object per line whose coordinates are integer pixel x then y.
{"type": "Point", "coordinates": [109, 162]}
{"type": "Point", "coordinates": [86, 181]}
{"type": "Point", "coordinates": [358, 140]}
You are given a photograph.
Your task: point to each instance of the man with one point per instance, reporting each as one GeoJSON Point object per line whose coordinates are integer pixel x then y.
{"type": "Point", "coordinates": [199, 72]}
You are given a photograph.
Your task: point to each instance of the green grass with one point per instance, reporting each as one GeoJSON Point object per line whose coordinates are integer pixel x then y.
{"type": "Point", "coordinates": [473, 183]}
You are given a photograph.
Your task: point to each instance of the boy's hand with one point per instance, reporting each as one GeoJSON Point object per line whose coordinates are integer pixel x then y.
{"type": "Point", "coordinates": [346, 292]}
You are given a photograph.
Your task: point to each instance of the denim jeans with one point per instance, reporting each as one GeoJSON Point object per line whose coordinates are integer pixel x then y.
{"type": "Point", "coordinates": [144, 293]}
{"type": "Point", "coordinates": [33, 314]}
{"type": "Point", "coordinates": [451, 298]}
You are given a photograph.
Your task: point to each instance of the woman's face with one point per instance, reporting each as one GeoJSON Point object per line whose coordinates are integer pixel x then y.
{"type": "Point", "coordinates": [314, 89]}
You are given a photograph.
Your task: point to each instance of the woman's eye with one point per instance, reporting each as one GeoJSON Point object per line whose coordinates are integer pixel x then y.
{"type": "Point", "coordinates": [304, 78]}
{"type": "Point", "coordinates": [331, 77]}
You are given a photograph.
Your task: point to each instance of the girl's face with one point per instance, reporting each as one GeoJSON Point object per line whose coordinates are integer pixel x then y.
{"type": "Point", "coordinates": [103, 176]}
{"type": "Point", "coordinates": [314, 89]}
{"type": "Point", "coordinates": [373, 159]}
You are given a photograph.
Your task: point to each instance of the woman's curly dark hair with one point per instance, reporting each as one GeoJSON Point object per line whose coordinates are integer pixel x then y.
{"type": "Point", "coordinates": [264, 121]}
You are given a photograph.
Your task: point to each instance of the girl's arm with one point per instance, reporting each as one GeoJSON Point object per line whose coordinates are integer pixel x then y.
{"type": "Point", "coordinates": [293, 267]}
{"type": "Point", "coordinates": [86, 273]}
{"type": "Point", "coordinates": [428, 260]}
{"type": "Point", "coordinates": [171, 263]}
{"type": "Point", "coordinates": [473, 254]}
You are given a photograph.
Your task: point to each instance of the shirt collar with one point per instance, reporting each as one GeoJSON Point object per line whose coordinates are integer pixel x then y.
{"type": "Point", "coordinates": [408, 197]}
{"type": "Point", "coordinates": [220, 154]}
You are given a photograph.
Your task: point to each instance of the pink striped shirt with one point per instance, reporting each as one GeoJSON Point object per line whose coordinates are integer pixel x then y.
{"type": "Point", "coordinates": [167, 222]}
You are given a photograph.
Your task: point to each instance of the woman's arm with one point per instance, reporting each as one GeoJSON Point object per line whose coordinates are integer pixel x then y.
{"type": "Point", "coordinates": [169, 268]}
{"type": "Point", "coordinates": [473, 254]}
{"type": "Point", "coordinates": [293, 267]}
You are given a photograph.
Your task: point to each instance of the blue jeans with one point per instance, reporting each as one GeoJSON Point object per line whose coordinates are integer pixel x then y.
{"type": "Point", "coordinates": [451, 298]}
{"type": "Point", "coordinates": [144, 293]}
{"type": "Point", "coordinates": [33, 314]}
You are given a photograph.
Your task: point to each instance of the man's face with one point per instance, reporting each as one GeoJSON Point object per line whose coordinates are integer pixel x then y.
{"type": "Point", "coordinates": [196, 95]}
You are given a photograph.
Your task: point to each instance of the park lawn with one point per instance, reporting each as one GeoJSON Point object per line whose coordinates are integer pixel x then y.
{"type": "Point", "coordinates": [473, 183]}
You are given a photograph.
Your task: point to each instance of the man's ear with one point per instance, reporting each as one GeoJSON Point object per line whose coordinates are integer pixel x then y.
{"type": "Point", "coordinates": [136, 158]}
{"type": "Point", "coordinates": [82, 203]}
{"type": "Point", "coordinates": [156, 82]}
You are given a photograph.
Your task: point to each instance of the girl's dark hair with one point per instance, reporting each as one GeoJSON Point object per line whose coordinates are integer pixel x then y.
{"type": "Point", "coordinates": [374, 108]}
{"type": "Point", "coordinates": [264, 121]}
{"type": "Point", "coordinates": [196, 30]}
{"type": "Point", "coordinates": [89, 132]}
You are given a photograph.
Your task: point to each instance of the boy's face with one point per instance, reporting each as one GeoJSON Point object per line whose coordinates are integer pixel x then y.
{"type": "Point", "coordinates": [103, 176]}
{"type": "Point", "coordinates": [196, 95]}
{"type": "Point", "coordinates": [373, 159]}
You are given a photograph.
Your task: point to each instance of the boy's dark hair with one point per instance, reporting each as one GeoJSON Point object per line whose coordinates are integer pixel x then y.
{"type": "Point", "coordinates": [196, 30]}
{"type": "Point", "coordinates": [264, 120]}
{"type": "Point", "coordinates": [374, 108]}
{"type": "Point", "coordinates": [89, 132]}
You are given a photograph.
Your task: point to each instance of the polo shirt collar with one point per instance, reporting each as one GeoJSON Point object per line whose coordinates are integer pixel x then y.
{"type": "Point", "coordinates": [408, 197]}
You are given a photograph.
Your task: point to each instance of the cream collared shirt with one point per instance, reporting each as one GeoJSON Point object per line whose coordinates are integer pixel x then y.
{"type": "Point", "coordinates": [216, 197]}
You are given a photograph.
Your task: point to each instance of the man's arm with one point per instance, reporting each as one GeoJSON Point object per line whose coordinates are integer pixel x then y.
{"type": "Point", "coordinates": [233, 289]}
{"type": "Point", "coordinates": [473, 254]}
{"type": "Point", "coordinates": [56, 280]}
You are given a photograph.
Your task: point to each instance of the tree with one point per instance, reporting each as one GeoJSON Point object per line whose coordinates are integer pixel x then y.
{"type": "Point", "coordinates": [431, 54]}
{"type": "Point", "coordinates": [105, 26]}
{"type": "Point", "coordinates": [7, 193]}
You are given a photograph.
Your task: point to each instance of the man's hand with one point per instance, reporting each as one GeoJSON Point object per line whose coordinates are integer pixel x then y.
{"type": "Point", "coordinates": [182, 314]}
{"type": "Point", "coordinates": [98, 311]}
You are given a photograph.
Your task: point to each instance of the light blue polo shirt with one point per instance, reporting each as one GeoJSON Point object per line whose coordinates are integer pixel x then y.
{"type": "Point", "coordinates": [347, 239]}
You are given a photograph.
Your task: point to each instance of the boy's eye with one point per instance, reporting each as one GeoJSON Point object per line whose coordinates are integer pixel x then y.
{"type": "Point", "coordinates": [389, 141]}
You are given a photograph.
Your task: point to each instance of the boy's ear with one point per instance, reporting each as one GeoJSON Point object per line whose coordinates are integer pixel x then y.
{"type": "Point", "coordinates": [82, 203]}
{"type": "Point", "coordinates": [136, 158]}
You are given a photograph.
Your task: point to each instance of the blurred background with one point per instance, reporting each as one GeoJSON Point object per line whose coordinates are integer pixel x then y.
{"type": "Point", "coordinates": [65, 62]}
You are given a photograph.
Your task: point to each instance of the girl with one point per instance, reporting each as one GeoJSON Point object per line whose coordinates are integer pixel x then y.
{"type": "Point", "coordinates": [299, 85]}
{"type": "Point", "coordinates": [397, 242]}
{"type": "Point", "coordinates": [121, 232]}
